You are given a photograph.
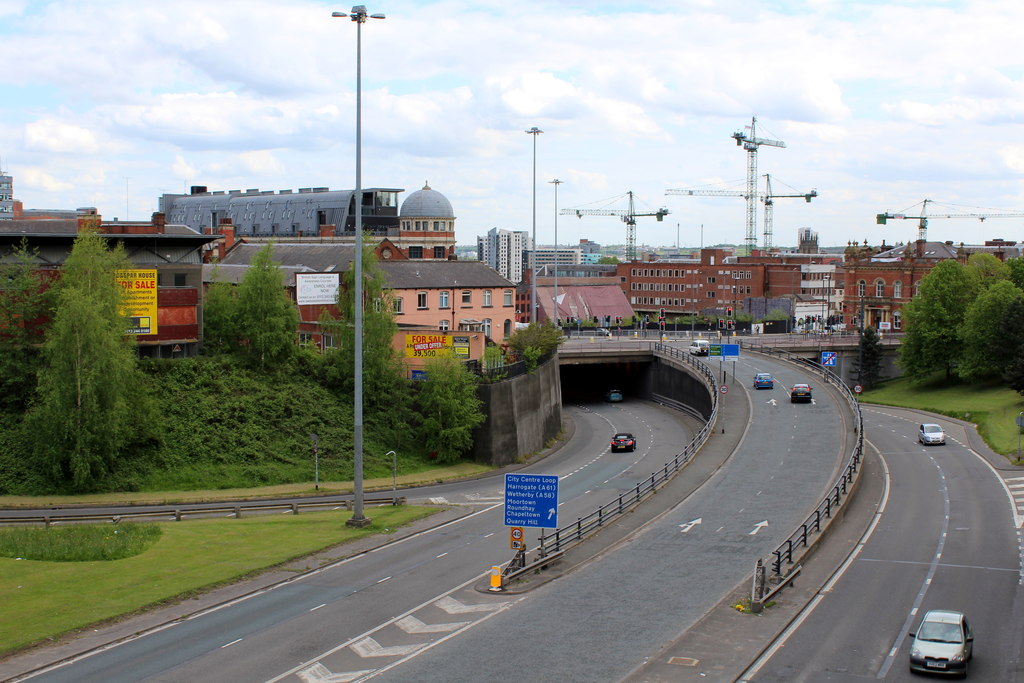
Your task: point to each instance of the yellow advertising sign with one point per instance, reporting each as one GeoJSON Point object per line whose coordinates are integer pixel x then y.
{"type": "Point", "coordinates": [139, 302]}
{"type": "Point", "coordinates": [427, 345]}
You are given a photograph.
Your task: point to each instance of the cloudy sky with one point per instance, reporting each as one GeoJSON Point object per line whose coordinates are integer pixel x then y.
{"type": "Point", "coordinates": [109, 103]}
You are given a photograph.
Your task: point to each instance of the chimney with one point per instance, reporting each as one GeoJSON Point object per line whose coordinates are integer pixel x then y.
{"type": "Point", "coordinates": [159, 222]}
{"type": "Point", "coordinates": [227, 231]}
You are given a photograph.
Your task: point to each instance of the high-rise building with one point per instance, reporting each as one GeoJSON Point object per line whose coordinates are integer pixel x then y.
{"type": "Point", "coordinates": [505, 251]}
{"type": "Point", "coordinates": [6, 196]}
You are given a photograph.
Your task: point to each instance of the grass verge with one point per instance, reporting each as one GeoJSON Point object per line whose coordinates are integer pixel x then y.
{"type": "Point", "coordinates": [464, 470]}
{"type": "Point", "coordinates": [992, 406]}
{"type": "Point", "coordinates": [44, 600]}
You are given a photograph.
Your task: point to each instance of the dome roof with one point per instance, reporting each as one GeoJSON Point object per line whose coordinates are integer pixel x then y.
{"type": "Point", "coordinates": [427, 203]}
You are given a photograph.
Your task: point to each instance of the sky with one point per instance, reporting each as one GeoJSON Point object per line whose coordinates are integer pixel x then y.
{"type": "Point", "coordinates": [110, 103]}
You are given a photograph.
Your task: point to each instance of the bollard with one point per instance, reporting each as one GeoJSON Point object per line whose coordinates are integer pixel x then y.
{"type": "Point", "coordinates": [177, 515]}
{"type": "Point", "coordinates": [295, 508]}
{"type": "Point", "coordinates": [496, 586]}
{"type": "Point", "coordinates": [238, 512]}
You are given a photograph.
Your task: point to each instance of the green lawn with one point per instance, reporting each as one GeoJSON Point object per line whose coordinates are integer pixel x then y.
{"type": "Point", "coordinates": [42, 600]}
{"type": "Point", "coordinates": [991, 406]}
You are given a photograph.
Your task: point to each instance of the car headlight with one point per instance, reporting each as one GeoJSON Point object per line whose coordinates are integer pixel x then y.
{"type": "Point", "coordinates": [914, 652]}
{"type": "Point", "coordinates": [956, 658]}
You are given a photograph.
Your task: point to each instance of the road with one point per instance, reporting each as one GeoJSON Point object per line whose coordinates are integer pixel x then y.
{"type": "Point", "coordinates": [609, 616]}
{"type": "Point", "coordinates": [946, 538]}
{"type": "Point", "coordinates": [268, 634]}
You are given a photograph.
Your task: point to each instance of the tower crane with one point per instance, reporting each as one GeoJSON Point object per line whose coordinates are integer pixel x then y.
{"type": "Point", "coordinates": [922, 220]}
{"type": "Point", "coordinates": [750, 143]}
{"type": "Point", "coordinates": [767, 197]}
{"type": "Point", "coordinates": [628, 217]}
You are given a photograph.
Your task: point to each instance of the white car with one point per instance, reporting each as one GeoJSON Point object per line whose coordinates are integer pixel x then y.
{"type": "Point", "coordinates": [929, 434]}
{"type": "Point", "coordinates": [700, 347]}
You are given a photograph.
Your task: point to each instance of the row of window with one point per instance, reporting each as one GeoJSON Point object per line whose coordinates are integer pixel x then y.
{"type": "Point", "coordinates": [683, 272]}
{"type": "Point", "coordinates": [444, 299]}
{"type": "Point", "coordinates": [677, 287]}
{"type": "Point", "coordinates": [439, 226]}
{"type": "Point", "coordinates": [417, 252]}
{"type": "Point", "coordinates": [879, 288]}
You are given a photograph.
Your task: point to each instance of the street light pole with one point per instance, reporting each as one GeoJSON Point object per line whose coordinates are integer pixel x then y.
{"type": "Point", "coordinates": [359, 16]}
{"type": "Point", "coordinates": [535, 131]}
{"type": "Point", "coordinates": [554, 296]}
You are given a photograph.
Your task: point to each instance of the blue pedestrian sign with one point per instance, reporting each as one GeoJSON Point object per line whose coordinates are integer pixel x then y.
{"type": "Point", "coordinates": [828, 358]}
{"type": "Point", "coordinates": [531, 500]}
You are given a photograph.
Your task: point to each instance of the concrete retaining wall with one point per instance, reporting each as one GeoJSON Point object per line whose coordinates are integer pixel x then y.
{"type": "Point", "coordinates": [523, 414]}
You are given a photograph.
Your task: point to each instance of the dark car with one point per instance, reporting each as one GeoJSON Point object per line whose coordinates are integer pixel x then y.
{"type": "Point", "coordinates": [613, 396]}
{"type": "Point", "coordinates": [623, 441]}
{"type": "Point", "coordinates": [800, 392]}
{"type": "Point", "coordinates": [943, 643]}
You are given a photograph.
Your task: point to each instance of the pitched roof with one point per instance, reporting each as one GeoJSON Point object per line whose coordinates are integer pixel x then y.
{"type": "Point", "coordinates": [314, 257]}
{"type": "Point", "coordinates": [414, 273]}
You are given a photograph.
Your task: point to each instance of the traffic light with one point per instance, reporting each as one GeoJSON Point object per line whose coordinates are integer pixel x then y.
{"type": "Point", "coordinates": [728, 311]}
{"type": "Point", "coordinates": [730, 324]}
{"type": "Point", "coordinates": [721, 323]}
{"type": "Point", "coordinates": [661, 315]}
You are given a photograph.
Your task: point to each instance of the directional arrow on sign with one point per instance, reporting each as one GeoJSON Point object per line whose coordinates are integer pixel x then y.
{"type": "Point", "coordinates": [689, 525]}
{"type": "Point", "coordinates": [758, 527]}
{"type": "Point", "coordinates": [552, 512]}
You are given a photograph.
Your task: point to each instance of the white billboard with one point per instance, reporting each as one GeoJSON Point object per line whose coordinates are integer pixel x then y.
{"type": "Point", "coordinates": [316, 288]}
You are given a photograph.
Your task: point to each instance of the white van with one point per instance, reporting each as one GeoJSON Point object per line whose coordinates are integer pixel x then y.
{"type": "Point", "coordinates": [700, 347]}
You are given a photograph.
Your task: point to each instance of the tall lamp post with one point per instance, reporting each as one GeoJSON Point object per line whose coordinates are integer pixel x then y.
{"type": "Point", "coordinates": [554, 296]}
{"type": "Point", "coordinates": [359, 16]}
{"type": "Point", "coordinates": [535, 131]}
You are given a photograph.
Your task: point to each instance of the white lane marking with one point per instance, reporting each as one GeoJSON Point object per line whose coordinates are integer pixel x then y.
{"type": "Point", "coordinates": [368, 647]}
{"type": "Point", "coordinates": [438, 557]}
{"type": "Point", "coordinates": [318, 673]}
{"type": "Point", "coordinates": [313, 609]}
{"type": "Point", "coordinates": [411, 624]}
{"type": "Point", "coordinates": [383, 580]}
{"type": "Point", "coordinates": [236, 640]}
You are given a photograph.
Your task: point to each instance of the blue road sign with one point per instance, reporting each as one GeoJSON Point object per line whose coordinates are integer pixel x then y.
{"type": "Point", "coordinates": [828, 358]}
{"type": "Point", "coordinates": [725, 351]}
{"type": "Point", "coordinates": [531, 500]}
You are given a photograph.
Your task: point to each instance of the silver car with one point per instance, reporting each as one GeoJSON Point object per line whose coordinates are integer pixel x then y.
{"type": "Point", "coordinates": [943, 643]}
{"type": "Point", "coordinates": [929, 434]}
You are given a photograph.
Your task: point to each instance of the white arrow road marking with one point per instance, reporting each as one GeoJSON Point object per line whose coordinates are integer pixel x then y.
{"type": "Point", "coordinates": [453, 606]}
{"type": "Point", "coordinates": [318, 673]}
{"type": "Point", "coordinates": [411, 624]}
{"type": "Point", "coordinates": [773, 402]}
{"type": "Point", "coordinates": [368, 647]}
{"type": "Point", "coordinates": [439, 501]}
{"type": "Point", "coordinates": [685, 528]}
{"type": "Point", "coordinates": [758, 527]}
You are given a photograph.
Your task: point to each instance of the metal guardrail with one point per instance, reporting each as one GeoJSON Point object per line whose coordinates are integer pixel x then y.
{"type": "Point", "coordinates": [177, 514]}
{"type": "Point", "coordinates": [560, 539]}
{"type": "Point", "coordinates": [833, 500]}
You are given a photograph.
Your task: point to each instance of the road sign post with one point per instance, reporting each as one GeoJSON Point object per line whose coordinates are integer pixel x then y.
{"type": "Point", "coordinates": [531, 500]}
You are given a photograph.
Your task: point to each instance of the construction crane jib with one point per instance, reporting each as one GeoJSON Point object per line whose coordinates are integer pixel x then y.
{"type": "Point", "coordinates": [922, 220]}
{"type": "Point", "coordinates": [750, 143]}
{"type": "Point", "coordinates": [628, 217]}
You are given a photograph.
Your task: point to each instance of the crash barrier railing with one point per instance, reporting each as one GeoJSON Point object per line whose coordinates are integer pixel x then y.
{"type": "Point", "coordinates": [800, 540]}
{"type": "Point", "coordinates": [560, 539]}
{"type": "Point", "coordinates": [177, 514]}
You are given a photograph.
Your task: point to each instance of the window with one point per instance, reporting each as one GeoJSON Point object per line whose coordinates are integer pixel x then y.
{"type": "Point", "coordinates": [508, 297]}
{"type": "Point", "coordinates": [398, 305]}
{"type": "Point", "coordinates": [711, 280]}
{"type": "Point", "coordinates": [487, 327]}
{"type": "Point", "coordinates": [443, 302]}
{"type": "Point", "coordinates": [879, 288]}
{"type": "Point", "coordinates": [415, 252]}
{"type": "Point", "coordinates": [711, 295]}
{"type": "Point", "coordinates": [897, 320]}
{"type": "Point", "coordinates": [897, 289]}
{"type": "Point", "coordinates": [328, 341]}
{"type": "Point", "coordinates": [861, 288]}
{"type": "Point", "coordinates": [487, 297]}
{"type": "Point", "coordinates": [421, 300]}
{"type": "Point", "coordinates": [443, 326]}
{"type": "Point", "coordinates": [438, 252]}
{"type": "Point", "coordinates": [437, 226]}
{"type": "Point", "coordinates": [180, 280]}
{"type": "Point", "coordinates": [467, 297]}
{"type": "Point", "coordinates": [305, 338]}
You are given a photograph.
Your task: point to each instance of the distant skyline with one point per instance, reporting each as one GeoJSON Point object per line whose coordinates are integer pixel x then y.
{"type": "Point", "coordinates": [110, 103]}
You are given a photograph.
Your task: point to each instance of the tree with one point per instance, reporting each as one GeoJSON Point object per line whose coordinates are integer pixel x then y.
{"type": "Point", "coordinates": [987, 270]}
{"type": "Point", "coordinates": [868, 364]}
{"type": "Point", "coordinates": [266, 319]}
{"type": "Point", "coordinates": [385, 389]}
{"type": "Point", "coordinates": [449, 409]}
{"type": "Point", "coordinates": [542, 338]}
{"type": "Point", "coordinates": [933, 339]}
{"type": "Point", "coordinates": [92, 399]}
{"type": "Point", "coordinates": [220, 312]}
{"type": "Point", "coordinates": [608, 260]}
{"type": "Point", "coordinates": [26, 304]}
{"type": "Point", "coordinates": [986, 347]}
{"type": "Point", "coordinates": [1012, 336]}
{"type": "Point", "coordinates": [1016, 268]}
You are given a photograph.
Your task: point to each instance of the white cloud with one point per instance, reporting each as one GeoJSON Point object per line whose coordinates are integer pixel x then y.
{"type": "Point", "coordinates": [36, 179]}
{"type": "Point", "coordinates": [60, 137]}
